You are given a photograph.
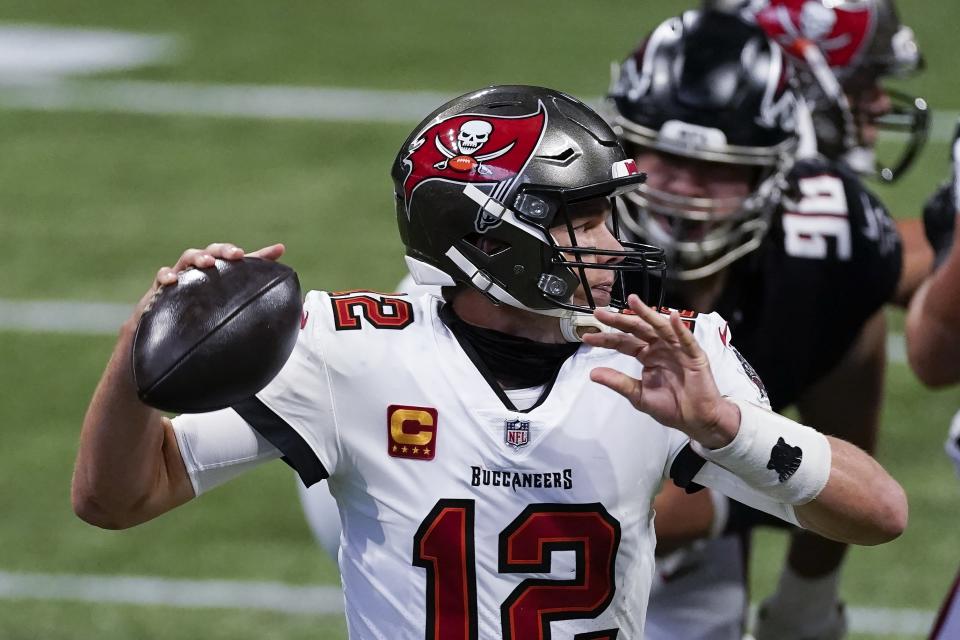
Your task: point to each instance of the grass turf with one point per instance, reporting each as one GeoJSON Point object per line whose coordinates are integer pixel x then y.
{"type": "Point", "coordinates": [92, 204]}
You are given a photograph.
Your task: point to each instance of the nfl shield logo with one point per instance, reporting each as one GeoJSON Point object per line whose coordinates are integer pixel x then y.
{"type": "Point", "coordinates": [516, 433]}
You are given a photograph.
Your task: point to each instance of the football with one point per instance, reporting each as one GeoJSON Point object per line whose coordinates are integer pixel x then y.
{"type": "Point", "coordinates": [218, 336]}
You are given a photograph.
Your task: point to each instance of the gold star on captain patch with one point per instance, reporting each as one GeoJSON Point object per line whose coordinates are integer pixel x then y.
{"type": "Point", "coordinates": [426, 451]}
{"type": "Point", "coordinates": [416, 450]}
{"type": "Point", "coordinates": [403, 449]}
{"type": "Point", "coordinates": [394, 448]}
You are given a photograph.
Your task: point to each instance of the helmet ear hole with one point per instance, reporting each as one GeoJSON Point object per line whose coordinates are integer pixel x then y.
{"type": "Point", "coordinates": [488, 246]}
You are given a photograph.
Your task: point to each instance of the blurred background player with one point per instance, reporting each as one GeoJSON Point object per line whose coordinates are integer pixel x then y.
{"type": "Point", "coordinates": [933, 335]}
{"type": "Point", "coordinates": [799, 257]}
{"type": "Point", "coordinates": [844, 52]}
{"type": "Point", "coordinates": [846, 49]}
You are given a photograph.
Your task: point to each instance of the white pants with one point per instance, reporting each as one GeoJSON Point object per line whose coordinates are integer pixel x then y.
{"type": "Point", "coordinates": [699, 593]}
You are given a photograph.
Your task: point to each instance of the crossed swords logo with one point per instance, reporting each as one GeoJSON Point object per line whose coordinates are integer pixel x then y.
{"type": "Point", "coordinates": [471, 137]}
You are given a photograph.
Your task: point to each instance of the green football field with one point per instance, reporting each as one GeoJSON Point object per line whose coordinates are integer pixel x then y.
{"type": "Point", "coordinates": [95, 195]}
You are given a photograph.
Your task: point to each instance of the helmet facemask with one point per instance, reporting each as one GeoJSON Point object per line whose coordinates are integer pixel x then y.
{"type": "Point", "coordinates": [548, 281]}
{"type": "Point", "coordinates": [705, 87]}
{"type": "Point", "coordinates": [700, 236]}
{"type": "Point", "coordinates": [703, 235]}
{"type": "Point", "coordinates": [908, 120]}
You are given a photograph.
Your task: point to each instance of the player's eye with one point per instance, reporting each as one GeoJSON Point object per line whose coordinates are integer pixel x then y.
{"type": "Point", "coordinates": [589, 224]}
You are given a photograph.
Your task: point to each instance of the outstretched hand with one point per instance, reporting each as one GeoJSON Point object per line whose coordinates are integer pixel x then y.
{"type": "Point", "coordinates": [677, 387]}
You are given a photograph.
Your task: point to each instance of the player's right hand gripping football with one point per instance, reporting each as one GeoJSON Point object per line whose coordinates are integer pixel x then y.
{"type": "Point", "coordinates": [201, 259]}
{"type": "Point", "coordinates": [677, 387]}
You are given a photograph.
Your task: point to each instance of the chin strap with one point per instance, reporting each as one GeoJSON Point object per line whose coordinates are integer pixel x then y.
{"type": "Point", "coordinates": [576, 324]}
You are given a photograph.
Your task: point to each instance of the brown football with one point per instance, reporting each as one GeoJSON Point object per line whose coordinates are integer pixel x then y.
{"type": "Point", "coordinates": [218, 336]}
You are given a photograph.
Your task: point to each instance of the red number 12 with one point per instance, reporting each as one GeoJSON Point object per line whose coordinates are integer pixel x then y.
{"type": "Point", "coordinates": [444, 546]}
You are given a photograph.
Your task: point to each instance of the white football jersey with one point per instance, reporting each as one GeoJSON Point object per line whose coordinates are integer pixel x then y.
{"type": "Point", "coordinates": [462, 516]}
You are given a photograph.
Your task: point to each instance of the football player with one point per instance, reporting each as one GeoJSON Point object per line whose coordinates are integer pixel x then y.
{"type": "Point", "coordinates": [793, 251]}
{"type": "Point", "coordinates": [933, 335]}
{"type": "Point", "coordinates": [495, 476]}
{"type": "Point", "coordinates": [933, 319]}
{"type": "Point", "coordinates": [845, 51]}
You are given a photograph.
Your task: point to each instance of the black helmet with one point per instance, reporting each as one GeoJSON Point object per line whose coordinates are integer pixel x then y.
{"type": "Point", "coordinates": [710, 86]}
{"type": "Point", "coordinates": [497, 168]}
{"type": "Point", "coordinates": [845, 46]}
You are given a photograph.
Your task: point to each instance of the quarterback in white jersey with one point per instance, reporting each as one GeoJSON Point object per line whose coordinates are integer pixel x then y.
{"type": "Point", "coordinates": [534, 518]}
{"type": "Point", "coordinates": [495, 453]}
{"type": "Point", "coordinates": [544, 513]}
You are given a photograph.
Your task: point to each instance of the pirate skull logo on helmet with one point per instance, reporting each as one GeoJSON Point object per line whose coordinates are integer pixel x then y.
{"type": "Point", "coordinates": [473, 135]}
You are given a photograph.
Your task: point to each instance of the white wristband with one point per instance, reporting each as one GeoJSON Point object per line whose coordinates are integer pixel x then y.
{"type": "Point", "coordinates": [778, 457]}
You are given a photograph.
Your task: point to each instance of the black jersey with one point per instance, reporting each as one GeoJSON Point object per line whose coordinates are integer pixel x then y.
{"type": "Point", "coordinates": [831, 259]}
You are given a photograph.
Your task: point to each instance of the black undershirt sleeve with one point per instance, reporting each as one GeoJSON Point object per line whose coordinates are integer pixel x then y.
{"type": "Point", "coordinates": [685, 466]}
{"type": "Point", "coordinates": [296, 452]}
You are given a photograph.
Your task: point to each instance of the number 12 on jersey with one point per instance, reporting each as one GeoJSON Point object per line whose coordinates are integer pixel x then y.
{"type": "Point", "coordinates": [444, 547]}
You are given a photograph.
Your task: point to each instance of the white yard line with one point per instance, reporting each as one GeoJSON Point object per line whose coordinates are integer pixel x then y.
{"type": "Point", "coordinates": [896, 348]}
{"type": "Point", "coordinates": [63, 316]}
{"type": "Point", "coordinates": [891, 622]}
{"type": "Point", "coordinates": [150, 590]}
{"type": "Point", "coordinates": [32, 50]}
{"type": "Point", "coordinates": [225, 101]}
{"type": "Point", "coordinates": [311, 600]}
{"type": "Point", "coordinates": [267, 102]}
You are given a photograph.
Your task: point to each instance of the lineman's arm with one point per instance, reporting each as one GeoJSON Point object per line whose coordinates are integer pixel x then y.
{"type": "Point", "coordinates": [933, 323]}
{"type": "Point", "coordinates": [683, 518]}
{"type": "Point", "coordinates": [933, 320]}
{"type": "Point", "coordinates": [129, 468]}
{"type": "Point", "coordinates": [916, 260]}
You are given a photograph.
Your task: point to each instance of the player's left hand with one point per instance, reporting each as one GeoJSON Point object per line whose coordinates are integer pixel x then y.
{"type": "Point", "coordinates": [677, 387]}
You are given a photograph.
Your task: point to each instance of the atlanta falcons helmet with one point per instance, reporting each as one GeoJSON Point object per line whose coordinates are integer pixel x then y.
{"type": "Point", "coordinates": [709, 86]}
{"type": "Point", "coordinates": [844, 48]}
{"type": "Point", "coordinates": [482, 180]}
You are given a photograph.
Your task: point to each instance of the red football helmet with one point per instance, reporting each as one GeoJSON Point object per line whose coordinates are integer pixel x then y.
{"type": "Point", "coordinates": [846, 47]}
